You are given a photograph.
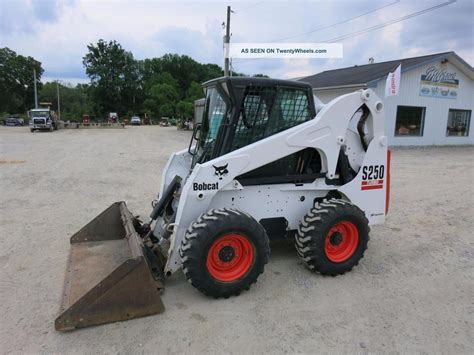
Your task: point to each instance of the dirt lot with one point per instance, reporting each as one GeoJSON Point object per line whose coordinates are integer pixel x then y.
{"type": "Point", "coordinates": [412, 292]}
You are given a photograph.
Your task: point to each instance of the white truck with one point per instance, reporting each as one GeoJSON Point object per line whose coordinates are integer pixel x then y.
{"type": "Point", "coordinates": [42, 119]}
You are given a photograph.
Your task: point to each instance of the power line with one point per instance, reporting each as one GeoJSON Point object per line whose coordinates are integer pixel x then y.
{"type": "Point", "coordinates": [328, 26]}
{"type": "Point", "coordinates": [338, 23]}
{"type": "Point", "coordinates": [376, 27]}
{"type": "Point", "coordinates": [248, 7]}
{"type": "Point", "coordinates": [388, 23]}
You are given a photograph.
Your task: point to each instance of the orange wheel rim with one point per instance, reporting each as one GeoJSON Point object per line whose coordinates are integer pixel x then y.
{"type": "Point", "coordinates": [341, 241]}
{"type": "Point", "coordinates": [230, 257]}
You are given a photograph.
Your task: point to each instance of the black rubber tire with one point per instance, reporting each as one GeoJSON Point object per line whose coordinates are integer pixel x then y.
{"type": "Point", "coordinates": [314, 227]}
{"type": "Point", "coordinates": [198, 240]}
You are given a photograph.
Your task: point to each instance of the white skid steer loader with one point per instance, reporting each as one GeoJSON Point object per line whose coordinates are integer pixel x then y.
{"type": "Point", "coordinates": [261, 165]}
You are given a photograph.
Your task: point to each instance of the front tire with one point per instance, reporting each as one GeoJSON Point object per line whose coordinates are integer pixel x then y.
{"type": "Point", "coordinates": [332, 237]}
{"type": "Point", "coordinates": [223, 252]}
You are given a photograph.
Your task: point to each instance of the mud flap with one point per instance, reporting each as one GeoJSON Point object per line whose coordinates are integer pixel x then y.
{"type": "Point", "coordinates": [108, 276]}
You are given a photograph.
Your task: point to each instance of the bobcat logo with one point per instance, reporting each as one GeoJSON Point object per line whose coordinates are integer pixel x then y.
{"type": "Point", "coordinates": [221, 171]}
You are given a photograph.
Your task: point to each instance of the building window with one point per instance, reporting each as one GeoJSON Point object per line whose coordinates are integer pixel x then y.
{"type": "Point", "coordinates": [410, 121]}
{"type": "Point", "coordinates": [458, 123]}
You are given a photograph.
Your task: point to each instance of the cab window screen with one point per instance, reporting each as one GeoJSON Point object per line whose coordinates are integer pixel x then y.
{"type": "Point", "coordinates": [269, 110]}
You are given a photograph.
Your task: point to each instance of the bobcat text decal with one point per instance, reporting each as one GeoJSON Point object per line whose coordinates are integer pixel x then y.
{"type": "Point", "coordinates": [205, 187]}
{"type": "Point", "coordinates": [372, 177]}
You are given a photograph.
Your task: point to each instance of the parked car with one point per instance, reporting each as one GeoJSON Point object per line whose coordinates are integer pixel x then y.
{"type": "Point", "coordinates": [135, 120]}
{"type": "Point", "coordinates": [13, 121]}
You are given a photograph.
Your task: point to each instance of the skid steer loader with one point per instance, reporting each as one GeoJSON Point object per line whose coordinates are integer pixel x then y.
{"type": "Point", "coordinates": [264, 163]}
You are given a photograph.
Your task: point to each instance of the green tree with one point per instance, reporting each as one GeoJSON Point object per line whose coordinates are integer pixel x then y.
{"type": "Point", "coordinates": [75, 101]}
{"type": "Point", "coordinates": [165, 86]}
{"type": "Point", "coordinates": [184, 109]}
{"type": "Point", "coordinates": [16, 81]}
{"type": "Point", "coordinates": [114, 77]}
{"type": "Point", "coordinates": [194, 92]}
{"type": "Point", "coordinates": [186, 72]}
{"type": "Point", "coordinates": [161, 100]}
{"type": "Point", "coordinates": [163, 78]}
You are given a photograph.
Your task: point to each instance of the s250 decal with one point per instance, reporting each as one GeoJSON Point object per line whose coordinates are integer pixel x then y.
{"type": "Point", "coordinates": [372, 177]}
{"type": "Point", "coordinates": [370, 172]}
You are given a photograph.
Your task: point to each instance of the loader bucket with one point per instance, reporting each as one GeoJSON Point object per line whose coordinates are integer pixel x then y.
{"type": "Point", "coordinates": [108, 276]}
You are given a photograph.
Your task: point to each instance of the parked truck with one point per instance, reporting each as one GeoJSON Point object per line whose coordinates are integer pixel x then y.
{"type": "Point", "coordinates": [43, 119]}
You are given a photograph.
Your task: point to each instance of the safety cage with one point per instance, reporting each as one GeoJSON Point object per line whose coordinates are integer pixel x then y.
{"type": "Point", "coordinates": [241, 111]}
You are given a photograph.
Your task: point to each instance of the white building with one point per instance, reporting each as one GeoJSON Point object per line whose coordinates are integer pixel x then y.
{"type": "Point", "coordinates": [433, 107]}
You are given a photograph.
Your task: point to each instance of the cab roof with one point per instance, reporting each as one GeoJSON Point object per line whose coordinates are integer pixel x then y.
{"type": "Point", "coordinates": [242, 81]}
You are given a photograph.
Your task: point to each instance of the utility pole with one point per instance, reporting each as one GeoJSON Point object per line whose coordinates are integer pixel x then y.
{"type": "Point", "coordinates": [59, 104]}
{"type": "Point", "coordinates": [34, 84]}
{"type": "Point", "coordinates": [226, 43]}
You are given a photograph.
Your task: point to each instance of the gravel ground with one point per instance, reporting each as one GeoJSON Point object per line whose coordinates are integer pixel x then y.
{"type": "Point", "coordinates": [413, 291]}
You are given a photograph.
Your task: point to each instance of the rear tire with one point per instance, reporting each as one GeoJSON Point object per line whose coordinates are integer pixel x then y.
{"type": "Point", "coordinates": [223, 252]}
{"type": "Point", "coordinates": [332, 237]}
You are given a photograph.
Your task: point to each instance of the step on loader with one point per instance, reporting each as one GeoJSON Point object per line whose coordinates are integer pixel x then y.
{"type": "Point", "coordinates": [266, 162]}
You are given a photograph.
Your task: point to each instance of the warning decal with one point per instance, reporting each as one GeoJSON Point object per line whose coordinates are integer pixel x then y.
{"type": "Point", "coordinates": [372, 185]}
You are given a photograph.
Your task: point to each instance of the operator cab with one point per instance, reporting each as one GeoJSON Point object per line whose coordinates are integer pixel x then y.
{"type": "Point", "coordinates": [240, 111]}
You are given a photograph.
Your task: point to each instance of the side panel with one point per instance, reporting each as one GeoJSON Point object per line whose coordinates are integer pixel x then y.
{"type": "Point", "coordinates": [178, 164]}
{"type": "Point", "coordinates": [368, 189]}
{"type": "Point", "coordinates": [270, 201]}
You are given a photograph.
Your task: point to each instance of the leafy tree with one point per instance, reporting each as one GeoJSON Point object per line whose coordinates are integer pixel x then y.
{"type": "Point", "coordinates": [165, 86]}
{"type": "Point", "coordinates": [75, 101]}
{"type": "Point", "coordinates": [162, 100]}
{"type": "Point", "coordinates": [194, 92]}
{"type": "Point", "coordinates": [114, 77]}
{"type": "Point", "coordinates": [16, 81]}
{"type": "Point", "coordinates": [161, 93]}
{"type": "Point", "coordinates": [184, 109]}
{"type": "Point", "coordinates": [162, 78]}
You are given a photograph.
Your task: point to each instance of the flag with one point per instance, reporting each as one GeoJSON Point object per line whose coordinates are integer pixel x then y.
{"type": "Point", "coordinates": [392, 85]}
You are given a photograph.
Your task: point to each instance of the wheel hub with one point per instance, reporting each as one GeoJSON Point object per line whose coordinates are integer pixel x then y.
{"type": "Point", "coordinates": [230, 257]}
{"type": "Point", "coordinates": [335, 239]}
{"type": "Point", "coordinates": [226, 254]}
{"type": "Point", "coordinates": [341, 241]}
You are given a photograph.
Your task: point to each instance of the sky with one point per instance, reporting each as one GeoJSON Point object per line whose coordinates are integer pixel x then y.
{"type": "Point", "coordinates": [57, 32]}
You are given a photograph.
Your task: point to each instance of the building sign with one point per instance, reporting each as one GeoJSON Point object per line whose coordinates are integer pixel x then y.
{"type": "Point", "coordinates": [438, 82]}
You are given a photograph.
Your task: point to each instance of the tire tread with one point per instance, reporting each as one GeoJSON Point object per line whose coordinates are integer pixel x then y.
{"type": "Point", "coordinates": [201, 232]}
{"type": "Point", "coordinates": [310, 232]}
